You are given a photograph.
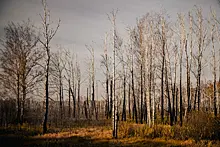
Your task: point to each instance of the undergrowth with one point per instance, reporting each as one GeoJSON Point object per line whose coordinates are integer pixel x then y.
{"type": "Point", "coordinates": [198, 126]}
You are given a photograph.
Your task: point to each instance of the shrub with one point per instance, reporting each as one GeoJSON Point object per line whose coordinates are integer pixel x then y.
{"type": "Point", "coordinates": [216, 128]}
{"type": "Point", "coordinates": [127, 129]}
{"type": "Point", "coordinates": [146, 131]}
{"type": "Point", "coordinates": [181, 133]}
{"type": "Point", "coordinates": [164, 131]}
{"type": "Point", "coordinates": [199, 126]}
{"type": "Point", "coordinates": [142, 130]}
{"type": "Point", "coordinates": [203, 125]}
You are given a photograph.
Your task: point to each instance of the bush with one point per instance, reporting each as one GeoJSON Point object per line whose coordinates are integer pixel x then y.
{"type": "Point", "coordinates": [142, 130]}
{"type": "Point", "coordinates": [127, 129]}
{"type": "Point", "coordinates": [181, 133]}
{"type": "Point", "coordinates": [21, 130]}
{"type": "Point", "coordinates": [164, 131]}
{"type": "Point", "coordinates": [216, 127]}
{"type": "Point", "coordinates": [146, 131]}
{"type": "Point", "coordinates": [202, 125]}
{"type": "Point", "coordinates": [199, 126]}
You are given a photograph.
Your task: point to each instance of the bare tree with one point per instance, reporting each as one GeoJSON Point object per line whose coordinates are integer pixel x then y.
{"type": "Point", "coordinates": [202, 43]}
{"type": "Point", "coordinates": [188, 65]}
{"type": "Point", "coordinates": [57, 72]}
{"type": "Point", "coordinates": [213, 52]}
{"type": "Point", "coordinates": [47, 35]}
{"type": "Point", "coordinates": [216, 98]}
{"type": "Point", "coordinates": [133, 37]}
{"type": "Point", "coordinates": [106, 63]}
{"type": "Point", "coordinates": [112, 18]}
{"type": "Point", "coordinates": [182, 46]}
{"type": "Point", "coordinates": [19, 62]}
{"type": "Point", "coordinates": [78, 76]}
{"type": "Point", "coordinates": [162, 67]}
{"type": "Point", "coordinates": [121, 58]}
{"type": "Point", "coordinates": [68, 66]}
{"type": "Point", "coordinates": [174, 87]}
{"type": "Point", "coordinates": [142, 65]}
{"type": "Point", "coordinates": [92, 66]}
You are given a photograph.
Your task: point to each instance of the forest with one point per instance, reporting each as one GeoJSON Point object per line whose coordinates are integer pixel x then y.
{"type": "Point", "coordinates": [161, 84]}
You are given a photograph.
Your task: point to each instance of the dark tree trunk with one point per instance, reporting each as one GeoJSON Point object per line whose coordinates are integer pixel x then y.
{"type": "Point", "coordinates": [188, 80]}
{"type": "Point", "coordinates": [60, 95]}
{"type": "Point", "coordinates": [129, 100]}
{"type": "Point", "coordinates": [134, 99]}
{"type": "Point", "coordinates": [173, 96]}
{"type": "Point", "coordinates": [124, 102]}
{"type": "Point", "coordinates": [107, 97]}
{"type": "Point", "coordinates": [47, 97]}
{"type": "Point", "coordinates": [141, 117]}
{"type": "Point", "coordinates": [87, 102]}
{"type": "Point", "coordinates": [85, 108]}
{"type": "Point", "coordinates": [69, 99]}
{"type": "Point", "coordinates": [215, 97]}
{"type": "Point", "coordinates": [181, 98]}
{"type": "Point", "coordinates": [78, 99]}
{"type": "Point", "coordinates": [176, 116]}
{"type": "Point", "coordinates": [23, 101]}
{"type": "Point", "coordinates": [162, 89]}
{"type": "Point", "coordinates": [195, 97]}
{"type": "Point", "coordinates": [169, 101]}
{"type": "Point", "coordinates": [111, 94]}
{"type": "Point", "coordinates": [74, 102]}
{"type": "Point", "coordinates": [93, 97]}
{"type": "Point", "coordinates": [18, 100]}
{"type": "Point", "coordinates": [199, 87]}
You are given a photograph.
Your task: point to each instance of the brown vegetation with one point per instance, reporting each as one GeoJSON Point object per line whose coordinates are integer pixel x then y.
{"type": "Point", "coordinates": [99, 134]}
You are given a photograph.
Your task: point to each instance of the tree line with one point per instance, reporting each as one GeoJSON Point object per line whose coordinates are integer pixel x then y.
{"type": "Point", "coordinates": [160, 76]}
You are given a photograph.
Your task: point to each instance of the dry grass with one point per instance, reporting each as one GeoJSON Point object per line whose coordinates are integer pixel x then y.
{"type": "Point", "coordinates": [94, 133]}
{"type": "Point", "coordinates": [130, 134]}
{"type": "Point", "coordinates": [98, 135]}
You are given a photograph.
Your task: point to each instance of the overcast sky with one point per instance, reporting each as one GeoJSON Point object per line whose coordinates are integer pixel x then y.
{"type": "Point", "coordinates": [84, 21]}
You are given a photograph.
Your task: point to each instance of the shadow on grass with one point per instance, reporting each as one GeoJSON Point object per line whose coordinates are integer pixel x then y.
{"type": "Point", "coordinates": [49, 142]}
{"type": "Point", "coordinates": [75, 141]}
{"type": "Point", "coordinates": [10, 138]}
{"type": "Point", "coordinates": [150, 143]}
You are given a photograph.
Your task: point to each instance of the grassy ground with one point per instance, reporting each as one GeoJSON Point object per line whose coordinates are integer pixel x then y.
{"type": "Point", "coordinates": [90, 135]}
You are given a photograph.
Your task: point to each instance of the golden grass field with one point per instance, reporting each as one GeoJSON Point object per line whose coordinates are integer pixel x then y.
{"type": "Point", "coordinates": [89, 136]}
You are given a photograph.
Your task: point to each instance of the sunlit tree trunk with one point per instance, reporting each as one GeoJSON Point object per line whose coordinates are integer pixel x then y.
{"type": "Point", "coordinates": [214, 70]}
{"type": "Point", "coordinates": [114, 102]}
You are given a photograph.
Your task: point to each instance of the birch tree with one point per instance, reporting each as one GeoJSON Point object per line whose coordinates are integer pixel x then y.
{"type": "Point", "coordinates": [182, 46]}
{"type": "Point", "coordinates": [78, 77]}
{"type": "Point", "coordinates": [162, 67]}
{"type": "Point", "coordinates": [133, 40]}
{"type": "Point", "coordinates": [105, 63]}
{"type": "Point", "coordinates": [213, 53]}
{"type": "Point", "coordinates": [112, 18]}
{"type": "Point", "coordinates": [202, 43]}
{"type": "Point", "coordinates": [215, 25]}
{"type": "Point", "coordinates": [57, 73]}
{"type": "Point", "coordinates": [92, 66]}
